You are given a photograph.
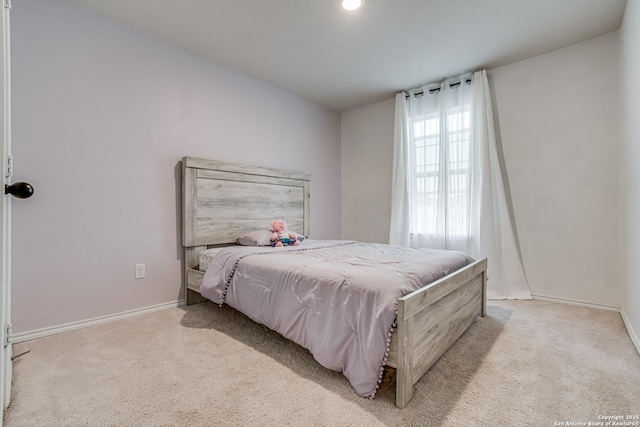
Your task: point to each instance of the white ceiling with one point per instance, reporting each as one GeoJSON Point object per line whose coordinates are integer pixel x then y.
{"type": "Point", "coordinates": [345, 59]}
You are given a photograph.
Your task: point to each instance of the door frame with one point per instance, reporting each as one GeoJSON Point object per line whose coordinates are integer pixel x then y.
{"type": "Point", "coordinates": [5, 209]}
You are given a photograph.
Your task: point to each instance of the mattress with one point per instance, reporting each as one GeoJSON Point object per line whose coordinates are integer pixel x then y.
{"type": "Point", "coordinates": [206, 256]}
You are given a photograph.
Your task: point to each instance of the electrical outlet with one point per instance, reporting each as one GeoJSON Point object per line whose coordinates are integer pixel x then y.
{"type": "Point", "coordinates": [140, 271]}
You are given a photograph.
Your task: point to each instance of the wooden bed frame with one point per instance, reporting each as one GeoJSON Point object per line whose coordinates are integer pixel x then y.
{"type": "Point", "coordinates": [221, 201]}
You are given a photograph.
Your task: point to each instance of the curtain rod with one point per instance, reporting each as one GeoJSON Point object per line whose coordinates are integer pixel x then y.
{"type": "Point", "coordinates": [437, 89]}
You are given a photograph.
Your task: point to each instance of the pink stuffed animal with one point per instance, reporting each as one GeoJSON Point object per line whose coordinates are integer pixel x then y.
{"type": "Point", "coordinates": [281, 236]}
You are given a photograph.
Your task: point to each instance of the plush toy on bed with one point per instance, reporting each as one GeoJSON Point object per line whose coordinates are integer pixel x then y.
{"type": "Point", "coordinates": [283, 237]}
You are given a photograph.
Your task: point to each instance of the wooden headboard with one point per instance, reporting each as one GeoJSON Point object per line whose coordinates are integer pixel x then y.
{"type": "Point", "coordinates": [221, 201]}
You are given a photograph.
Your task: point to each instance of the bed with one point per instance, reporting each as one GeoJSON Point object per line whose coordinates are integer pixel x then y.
{"type": "Point", "coordinates": [221, 201]}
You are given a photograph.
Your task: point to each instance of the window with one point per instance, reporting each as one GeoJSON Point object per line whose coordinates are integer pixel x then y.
{"type": "Point", "coordinates": [441, 172]}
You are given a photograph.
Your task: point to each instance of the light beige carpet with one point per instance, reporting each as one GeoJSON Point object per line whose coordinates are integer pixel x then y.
{"type": "Point", "coordinates": [527, 363]}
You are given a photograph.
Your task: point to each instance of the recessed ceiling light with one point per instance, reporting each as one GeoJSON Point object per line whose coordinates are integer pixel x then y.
{"type": "Point", "coordinates": [351, 4]}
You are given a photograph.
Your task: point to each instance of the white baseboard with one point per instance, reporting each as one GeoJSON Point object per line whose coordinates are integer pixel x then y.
{"type": "Point", "coordinates": [576, 302]}
{"type": "Point", "coordinates": [632, 333]}
{"type": "Point", "coordinates": [44, 332]}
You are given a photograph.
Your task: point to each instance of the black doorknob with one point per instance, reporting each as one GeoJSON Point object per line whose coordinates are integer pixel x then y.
{"type": "Point", "coordinates": [21, 190]}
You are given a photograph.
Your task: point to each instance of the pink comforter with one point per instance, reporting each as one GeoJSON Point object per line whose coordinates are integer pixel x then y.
{"type": "Point", "coordinates": [335, 298]}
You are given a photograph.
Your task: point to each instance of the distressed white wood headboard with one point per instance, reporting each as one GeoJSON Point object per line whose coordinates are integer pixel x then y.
{"type": "Point", "coordinates": [221, 200]}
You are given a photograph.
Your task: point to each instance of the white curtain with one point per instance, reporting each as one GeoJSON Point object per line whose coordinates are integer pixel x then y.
{"type": "Point", "coordinates": [400, 211]}
{"type": "Point", "coordinates": [447, 183]}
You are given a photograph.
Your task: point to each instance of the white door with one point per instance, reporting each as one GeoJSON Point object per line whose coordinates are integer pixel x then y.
{"type": "Point", "coordinates": [5, 210]}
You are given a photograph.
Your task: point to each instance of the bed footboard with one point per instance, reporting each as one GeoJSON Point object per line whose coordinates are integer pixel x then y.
{"type": "Point", "coordinates": [431, 319]}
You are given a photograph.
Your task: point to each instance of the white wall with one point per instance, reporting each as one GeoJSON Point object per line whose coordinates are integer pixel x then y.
{"type": "Point", "coordinates": [558, 119]}
{"type": "Point", "coordinates": [102, 115]}
{"type": "Point", "coordinates": [630, 196]}
{"type": "Point", "coordinates": [366, 172]}
{"type": "Point", "coordinates": [557, 114]}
